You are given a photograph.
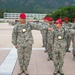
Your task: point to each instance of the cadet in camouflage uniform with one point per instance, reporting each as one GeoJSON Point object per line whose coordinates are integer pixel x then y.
{"type": "Point", "coordinates": [50, 39]}
{"type": "Point", "coordinates": [59, 45]}
{"type": "Point", "coordinates": [73, 40]}
{"type": "Point", "coordinates": [73, 27]}
{"type": "Point", "coordinates": [44, 33]}
{"type": "Point", "coordinates": [22, 39]}
{"type": "Point", "coordinates": [67, 25]}
{"type": "Point", "coordinates": [42, 38]}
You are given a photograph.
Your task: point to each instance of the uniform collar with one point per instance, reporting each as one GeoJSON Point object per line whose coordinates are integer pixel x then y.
{"type": "Point", "coordinates": [60, 29]}
{"type": "Point", "coordinates": [22, 24]}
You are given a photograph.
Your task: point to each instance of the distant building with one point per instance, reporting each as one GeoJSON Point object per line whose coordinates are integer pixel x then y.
{"type": "Point", "coordinates": [29, 15]}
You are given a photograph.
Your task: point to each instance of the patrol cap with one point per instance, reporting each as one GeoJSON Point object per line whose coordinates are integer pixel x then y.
{"type": "Point", "coordinates": [59, 21]}
{"type": "Point", "coordinates": [23, 16]}
{"type": "Point", "coordinates": [66, 18]}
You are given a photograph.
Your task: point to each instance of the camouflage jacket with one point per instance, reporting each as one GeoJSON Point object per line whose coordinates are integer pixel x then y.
{"type": "Point", "coordinates": [22, 34]}
{"type": "Point", "coordinates": [67, 26]}
{"type": "Point", "coordinates": [50, 34]}
{"type": "Point", "coordinates": [73, 25]}
{"type": "Point", "coordinates": [44, 32]}
{"type": "Point", "coordinates": [59, 37]}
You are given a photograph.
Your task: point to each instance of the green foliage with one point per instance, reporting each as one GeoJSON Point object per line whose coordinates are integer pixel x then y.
{"type": "Point", "coordinates": [33, 6]}
{"type": "Point", "coordinates": [68, 11]}
{"type": "Point", "coordinates": [1, 13]}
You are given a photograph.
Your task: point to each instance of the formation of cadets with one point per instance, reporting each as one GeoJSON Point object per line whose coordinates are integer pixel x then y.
{"type": "Point", "coordinates": [58, 41]}
{"type": "Point", "coordinates": [56, 37]}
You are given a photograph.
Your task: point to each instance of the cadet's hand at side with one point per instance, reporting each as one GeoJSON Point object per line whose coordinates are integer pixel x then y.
{"type": "Point", "coordinates": [16, 46]}
{"type": "Point", "coordinates": [49, 28]}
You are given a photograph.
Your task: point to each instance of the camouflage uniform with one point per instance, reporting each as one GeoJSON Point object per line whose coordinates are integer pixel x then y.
{"type": "Point", "coordinates": [73, 41]}
{"type": "Point", "coordinates": [59, 49]}
{"type": "Point", "coordinates": [73, 27]}
{"type": "Point", "coordinates": [22, 37]}
{"type": "Point", "coordinates": [68, 38]}
{"type": "Point", "coordinates": [44, 35]}
{"type": "Point", "coordinates": [50, 42]}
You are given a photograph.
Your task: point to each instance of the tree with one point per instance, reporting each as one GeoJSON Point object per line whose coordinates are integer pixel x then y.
{"type": "Point", "coordinates": [1, 13]}
{"type": "Point", "coordinates": [68, 11]}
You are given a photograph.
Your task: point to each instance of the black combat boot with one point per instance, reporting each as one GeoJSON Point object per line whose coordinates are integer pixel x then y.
{"type": "Point", "coordinates": [67, 50]}
{"type": "Point", "coordinates": [43, 46]}
{"type": "Point", "coordinates": [51, 57]}
{"type": "Point", "coordinates": [73, 57]}
{"type": "Point", "coordinates": [45, 51]}
{"type": "Point", "coordinates": [48, 58]}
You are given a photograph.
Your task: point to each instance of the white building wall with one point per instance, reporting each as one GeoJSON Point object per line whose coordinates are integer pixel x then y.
{"type": "Point", "coordinates": [29, 15]}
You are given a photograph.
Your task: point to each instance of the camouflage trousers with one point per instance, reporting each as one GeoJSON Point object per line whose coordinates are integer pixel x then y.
{"type": "Point", "coordinates": [73, 48]}
{"type": "Point", "coordinates": [24, 54]}
{"type": "Point", "coordinates": [44, 40]}
{"type": "Point", "coordinates": [49, 50]}
{"type": "Point", "coordinates": [58, 54]}
{"type": "Point", "coordinates": [73, 42]}
{"type": "Point", "coordinates": [73, 51]}
{"type": "Point", "coordinates": [68, 40]}
{"type": "Point", "coordinates": [72, 38]}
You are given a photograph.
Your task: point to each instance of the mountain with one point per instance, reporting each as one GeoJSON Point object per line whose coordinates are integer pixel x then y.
{"type": "Point", "coordinates": [34, 6]}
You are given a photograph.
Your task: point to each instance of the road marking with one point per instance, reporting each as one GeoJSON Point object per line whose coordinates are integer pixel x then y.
{"type": "Point", "coordinates": [8, 65]}
{"type": "Point", "coordinates": [5, 48]}
{"type": "Point", "coordinates": [32, 48]}
{"type": "Point", "coordinates": [38, 48]}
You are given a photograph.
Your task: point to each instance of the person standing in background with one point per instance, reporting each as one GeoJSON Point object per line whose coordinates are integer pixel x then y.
{"type": "Point", "coordinates": [44, 33]}
{"type": "Point", "coordinates": [67, 25]}
{"type": "Point", "coordinates": [49, 38]}
{"type": "Point", "coordinates": [73, 40]}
